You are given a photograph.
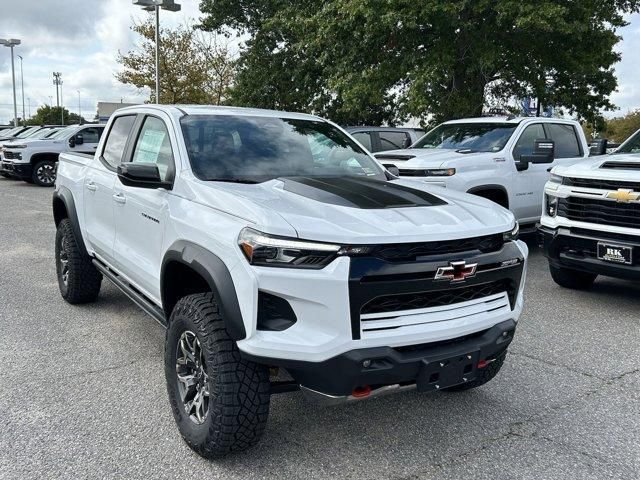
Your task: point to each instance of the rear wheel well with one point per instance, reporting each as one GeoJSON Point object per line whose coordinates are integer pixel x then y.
{"type": "Point", "coordinates": [178, 281]}
{"type": "Point", "coordinates": [59, 210]}
{"type": "Point", "coordinates": [39, 157]}
{"type": "Point", "coordinates": [497, 195]}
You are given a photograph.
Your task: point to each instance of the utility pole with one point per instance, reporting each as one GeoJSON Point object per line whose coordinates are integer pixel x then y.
{"type": "Point", "coordinates": [12, 42]}
{"type": "Point", "coordinates": [24, 118]}
{"type": "Point", "coordinates": [154, 6]}
{"type": "Point", "coordinates": [79, 110]}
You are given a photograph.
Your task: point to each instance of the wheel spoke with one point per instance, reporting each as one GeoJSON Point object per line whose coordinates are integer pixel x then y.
{"type": "Point", "coordinates": [193, 381]}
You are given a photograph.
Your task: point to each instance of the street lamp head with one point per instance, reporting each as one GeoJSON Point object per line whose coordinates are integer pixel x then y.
{"type": "Point", "coordinates": [150, 5]}
{"type": "Point", "coordinates": [12, 42]}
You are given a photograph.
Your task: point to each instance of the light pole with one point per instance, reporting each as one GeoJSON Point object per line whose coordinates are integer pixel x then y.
{"type": "Point", "coordinates": [12, 42]}
{"type": "Point", "coordinates": [24, 119]}
{"type": "Point", "coordinates": [79, 110]}
{"type": "Point", "coordinates": [155, 6]}
{"type": "Point", "coordinates": [57, 81]}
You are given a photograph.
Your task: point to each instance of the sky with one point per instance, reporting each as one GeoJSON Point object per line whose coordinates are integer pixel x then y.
{"type": "Point", "coordinates": [81, 39]}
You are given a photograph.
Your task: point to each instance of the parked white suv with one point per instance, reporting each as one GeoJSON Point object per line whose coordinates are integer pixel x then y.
{"type": "Point", "coordinates": [265, 240]}
{"type": "Point", "coordinates": [35, 159]}
{"type": "Point", "coordinates": [493, 157]}
{"type": "Point", "coordinates": [590, 222]}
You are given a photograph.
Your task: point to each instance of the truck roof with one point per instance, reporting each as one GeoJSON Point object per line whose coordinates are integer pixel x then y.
{"type": "Point", "coordinates": [220, 110]}
{"type": "Point", "coordinates": [503, 119]}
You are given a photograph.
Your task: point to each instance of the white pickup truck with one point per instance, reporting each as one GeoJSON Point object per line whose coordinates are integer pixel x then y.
{"type": "Point", "coordinates": [267, 240]}
{"type": "Point", "coordinates": [590, 222]}
{"type": "Point", "coordinates": [493, 157]}
{"type": "Point", "coordinates": [35, 159]}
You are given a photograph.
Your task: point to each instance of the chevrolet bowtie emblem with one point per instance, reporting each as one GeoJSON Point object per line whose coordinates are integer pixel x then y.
{"type": "Point", "coordinates": [456, 271]}
{"type": "Point", "coordinates": [624, 196]}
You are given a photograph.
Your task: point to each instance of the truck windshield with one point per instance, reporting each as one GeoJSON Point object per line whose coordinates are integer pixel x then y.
{"type": "Point", "coordinates": [28, 132]}
{"type": "Point", "coordinates": [632, 145]}
{"type": "Point", "coordinates": [62, 132]}
{"type": "Point", "coordinates": [253, 149]}
{"type": "Point", "coordinates": [468, 137]}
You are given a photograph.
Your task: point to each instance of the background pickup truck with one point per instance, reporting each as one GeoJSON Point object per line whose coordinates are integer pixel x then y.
{"type": "Point", "coordinates": [35, 160]}
{"type": "Point", "coordinates": [268, 241]}
{"type": "Point", "coordinates": [489, 157]}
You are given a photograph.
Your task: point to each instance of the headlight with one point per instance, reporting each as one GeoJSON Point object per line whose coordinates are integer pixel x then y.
{"type": "Point", "coordinates": [553, 178]}
{"type": "Point", "coordinates": [440, 172]}
{"type": "Point", "coordinates": [551, 204]}
{"type": "Point", "coordinates": [270, 251]}
{"type": "Point", "coordinates": [512, 235]}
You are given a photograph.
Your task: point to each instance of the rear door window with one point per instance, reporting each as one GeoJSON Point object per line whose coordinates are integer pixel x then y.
{"type": "Point", "coordinates": [117, 140]}
{"type": "Point", "coordinates": [566, 140]}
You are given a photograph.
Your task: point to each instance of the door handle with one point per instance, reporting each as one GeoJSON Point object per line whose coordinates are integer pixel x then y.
{"type": "Point", "coordinates": [92, 186]}
{"type": "Point", "coordinates": [118, 197]}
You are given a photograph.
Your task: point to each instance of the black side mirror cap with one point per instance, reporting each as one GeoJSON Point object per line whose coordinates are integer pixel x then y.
{"type": "Point", "coordinates": [392, 169]}
{"type": "Point", "coordinates": [72, 142]}
{"type": "Point", "coordinates": [598, 147]}
{"type": "Point", "coordinates": [142, 175]}
{"type": "Point", "coordinates": [406, 143]}
{"type": "Point", "coordinates": [79, 139]}
{"type": "Point", "coordinates": [543, 152]}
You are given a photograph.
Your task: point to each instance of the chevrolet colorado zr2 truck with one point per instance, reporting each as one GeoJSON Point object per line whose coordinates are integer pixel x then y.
{"type": "Point", "coordinates": [273, 242]}
{"type": "Point", "coordinates": [491, 157]}
{"type": "Point", "coordinates": [590, 222]}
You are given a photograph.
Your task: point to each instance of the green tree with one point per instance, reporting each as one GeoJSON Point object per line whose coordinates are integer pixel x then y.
{"type": "Point", "coordinates": [194, 67]}
{"type": "Point", "coordinates": [369, 61]}
{"type": "Point", "coordinates": [48, 115]}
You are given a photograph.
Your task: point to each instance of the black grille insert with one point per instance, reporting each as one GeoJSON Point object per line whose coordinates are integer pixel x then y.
{"type": "Point", "coordinates": [600, 184]}
{"type": "Point", "coordinates": [401, 252]}
{"type": "Point", "coordinates": [600, 212]}
{"type": "Point", "coordinates": [436, 298]}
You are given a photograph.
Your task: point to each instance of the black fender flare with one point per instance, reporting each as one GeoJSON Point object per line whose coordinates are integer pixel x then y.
{"type": "Point", "coordinates": [64, 195]}
{"type": "Point", "coordinates": [210, 267]}
{"type": "Point", "coordinates": [481, 188]}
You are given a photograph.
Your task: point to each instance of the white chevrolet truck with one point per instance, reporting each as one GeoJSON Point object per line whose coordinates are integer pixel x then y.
{"type": "Point", "coordinates": [35, 159]}
{"type": "Point", "coordinates": [493, 157]}
{"type": "Point", "coordinates": [272, 242]}
{"type": "Point", "coordinates": [590, 222]}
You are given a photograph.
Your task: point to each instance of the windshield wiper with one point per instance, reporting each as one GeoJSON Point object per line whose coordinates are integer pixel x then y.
{"type": "Point", "coordinates": [465, 150]}
{"type": "Point", "coordinates": [233, 180]}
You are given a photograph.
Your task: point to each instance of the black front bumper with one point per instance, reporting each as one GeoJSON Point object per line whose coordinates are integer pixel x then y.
{"type": "Point", "coordinates": [20, 170]}
{"type": "Point", "coordinates": [426, 364]}
{"type": "Point", "coordinates": [577, 249]}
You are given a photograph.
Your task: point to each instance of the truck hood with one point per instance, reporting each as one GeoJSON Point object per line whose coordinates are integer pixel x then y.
{"type": "Point", "coordinates": [354, 210]}
{"type": "Point", "coordinates": [608, 167]}
{"type": "Point", "coordinates": [42, 142]}
{"type": "Point", "coordinates": [429, 157]}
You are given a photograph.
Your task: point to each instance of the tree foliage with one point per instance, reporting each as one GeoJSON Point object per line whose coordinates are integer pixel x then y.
{"type": "Point", "coordinates": [617, 129]}
{"type": "Point", "coordinates": [195, 68]}
{"type": "Point", "coordinates": [48, 115]}
{"type": "Point", "coordinates": [369, 61]}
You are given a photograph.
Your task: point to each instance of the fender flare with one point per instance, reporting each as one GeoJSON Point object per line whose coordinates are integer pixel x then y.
{"type": "Point", "coordinates": [481, 188]}
{"type": "Point", "coordinates": [210, 267]}
{"type": "Point", "coordinates": [64, 195]}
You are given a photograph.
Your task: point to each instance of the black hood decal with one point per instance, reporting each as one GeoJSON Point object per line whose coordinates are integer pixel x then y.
{"type": "Point", "coordinates": [359, 192]}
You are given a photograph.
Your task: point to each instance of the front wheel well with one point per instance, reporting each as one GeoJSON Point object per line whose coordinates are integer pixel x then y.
{"type": "Point", "coordinates": [39, 157]}
{"type": "Point", "coordinates": [495, 194]}
{"type": "Point", "coordinates": [59, 210]}
{"type": "Point", "coordinates": [178, 281]}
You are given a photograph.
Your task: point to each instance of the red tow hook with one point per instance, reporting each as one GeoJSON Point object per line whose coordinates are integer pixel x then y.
{"type": "Point", "coordinates": [484, 363]}
{"type": "Point", "coordinates": [361, 392]}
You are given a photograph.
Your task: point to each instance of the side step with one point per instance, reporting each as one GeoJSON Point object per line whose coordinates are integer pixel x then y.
{"type": "Point", "coordinates": [138, 298]}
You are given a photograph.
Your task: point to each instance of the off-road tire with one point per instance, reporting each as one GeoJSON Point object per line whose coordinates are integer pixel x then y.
{"type": "Point", "coordinates": [5, 174]}
{"type": "Point", "coordinates": [574, 279]}
{"type": "Point", "coordinates": [239, 390]}
{"type": "Point", "coordinates": [483, 376]}
{"type": "Point", "coordinates": [83, 280]}
{"type": "Point", "coordinates": [35, 175]}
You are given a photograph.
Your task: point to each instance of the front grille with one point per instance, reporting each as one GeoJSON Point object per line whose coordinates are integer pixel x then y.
{"type": "Point", "coordinates": [600, 212]}
{"type": "Point", "coordinates": [9, 155]}
{"type": "Point", "coordinates": [622, 165]}
{"type": "Point", "coordinates": [400, 252]}
{"type": "Point", "coordinates": [600, 184]}
{"type": "Point", "coordinates": [436, 298]}
{"type": "Point", "coordinates": [405, 172]}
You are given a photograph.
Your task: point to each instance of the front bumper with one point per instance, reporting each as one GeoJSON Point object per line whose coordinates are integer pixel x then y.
{"type": "Point", "coordinates": [21, 170]}
{"type": "Point", "coordinates": [576, 248]}
{"type": "Point", "coordinates": [428, 366]}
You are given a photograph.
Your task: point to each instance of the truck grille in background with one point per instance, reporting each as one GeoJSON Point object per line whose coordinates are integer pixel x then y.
{"type": "Point", "coordinates": [600, 212]}
{"type": "Point", "coordinates": [411, 251]}
{"type": "Point", "coordinates": [437, 298]}
{"type": "Point", "coordinates": [600, 184]}
{"type": "Point", "coordinates": [404, 172]}
{"type": "Point", "coordinates": [622, 165]}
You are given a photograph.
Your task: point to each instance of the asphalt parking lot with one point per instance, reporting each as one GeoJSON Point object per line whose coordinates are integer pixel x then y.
{"type": "Point", "coordinates": [82, 391]}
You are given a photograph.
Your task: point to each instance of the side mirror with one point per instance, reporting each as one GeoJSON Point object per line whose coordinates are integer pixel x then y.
{"type": "Point", "coordinates": [72, 142]}
{"type": "Point", "coordinates": [142, 175]}
{"type": "Point", "coordinates": [79, 139]}
{"type": "Point", "coordinates": [406, 143]}
{"type": "Point", "coordinates": [598, 147]}
{"type": "Point", "coordinates": [392, 169]}
{"type": "Point", "coordinates": [543, 152]}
